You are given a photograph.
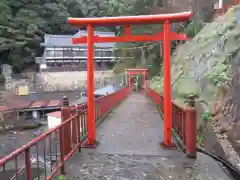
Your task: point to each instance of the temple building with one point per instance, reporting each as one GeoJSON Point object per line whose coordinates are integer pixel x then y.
{"type": "Point", "coordinates": [61, 54]}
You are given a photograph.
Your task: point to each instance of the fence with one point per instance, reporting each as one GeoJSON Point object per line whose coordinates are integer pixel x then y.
{"type": "Point", "coordinates": [44, 156]}
{"type": "Point", "coordinates": [183, 122]}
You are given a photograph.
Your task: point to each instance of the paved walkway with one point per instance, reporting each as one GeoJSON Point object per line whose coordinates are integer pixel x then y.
{"type": "Point", "coordinates": [135, 128]}
{"type": "Point", "coordinates": [129, 150]}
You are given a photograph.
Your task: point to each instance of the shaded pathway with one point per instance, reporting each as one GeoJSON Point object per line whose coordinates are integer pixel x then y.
{"type": "Point", "coordinates": [129, 149]}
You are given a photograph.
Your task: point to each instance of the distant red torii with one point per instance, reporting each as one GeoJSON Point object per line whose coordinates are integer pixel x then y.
{"type": "Point", "coordinates": [137, 71]}
{"type": "Point", "coordinates": [166, 36]}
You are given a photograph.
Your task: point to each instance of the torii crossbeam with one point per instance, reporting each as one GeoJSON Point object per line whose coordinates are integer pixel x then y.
{"type": "Point", "coordinates": [166, 36]}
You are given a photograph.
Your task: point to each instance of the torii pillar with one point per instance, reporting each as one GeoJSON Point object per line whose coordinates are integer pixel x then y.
{"type": "Point", "coordinates": [166, 36]}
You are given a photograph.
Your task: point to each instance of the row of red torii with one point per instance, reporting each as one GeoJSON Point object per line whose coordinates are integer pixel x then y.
{"type": "Point", "coordinates": [166, 36]}
{"type": "Point", "coordinates": [137, 71]}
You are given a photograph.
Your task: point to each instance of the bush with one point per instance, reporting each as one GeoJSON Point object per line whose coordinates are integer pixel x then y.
{"type": "Point", "coordinates": [194, 27]}
{"type": "Point", "coordinates": [220, 74]}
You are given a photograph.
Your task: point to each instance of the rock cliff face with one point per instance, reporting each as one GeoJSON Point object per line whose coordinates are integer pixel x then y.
{"type": "Point", "coordinates": [209, 65]}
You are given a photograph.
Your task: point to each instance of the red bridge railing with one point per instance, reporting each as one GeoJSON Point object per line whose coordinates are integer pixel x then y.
{"type": "Point", "coordinates": [44, 157]}
{"type": "Point", "coordinates": [183, 122]}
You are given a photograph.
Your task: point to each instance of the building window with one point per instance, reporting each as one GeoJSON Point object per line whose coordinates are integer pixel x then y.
{"type": "Point", "coordinates": [67, 53]}
{"type": "Point", "coordinates": [50, 53]}
{"type": "Point", "coordinates": [107, 53]}
{"type": "Point", "coordinates": [58, 53]}
{"type": "Point", "coordinates": [98, 53]}
{"type": "Point", "coordinates": [80, 53]}
{"type": "Point", "coordinates": [104, 53]}
{"type": "Point", "coordinates": [110, 53]}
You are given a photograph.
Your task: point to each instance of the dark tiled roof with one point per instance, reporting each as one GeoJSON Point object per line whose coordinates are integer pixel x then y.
{"type": "Point", "coordinates": [38, 100]}
{"type": "Point", "coordinates": [66, 40]}
{"type": "Point", "coordinates": [54, 103]}
{"type": "Point", "coordinates": [49, 99]}
{"type": "Point", "coordinates": [57, 95]}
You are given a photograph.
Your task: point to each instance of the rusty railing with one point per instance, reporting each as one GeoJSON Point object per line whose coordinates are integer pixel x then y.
{"type": "Point", "coordinates": [183, 122]}
{"type": "Point", "coordinates": [44, 157]}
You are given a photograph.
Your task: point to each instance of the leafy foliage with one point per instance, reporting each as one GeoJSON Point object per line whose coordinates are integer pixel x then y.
{"type": "Point", "coordinates": [220, 74]}
{"type": "Point", "coordinates": [206, 58]}
{"type": "Point", "coordinates": [148, 55]}
{"type": "Point", "coordinates": [132, 7]}
{"type": "Point", "coordinates": [200, 139]}
{"type": "Point", "coordinates": [23, 24]}
{"type": "Point", "coordinates": [60, 177]}
{"type": "Point", "coordinates": [207, 116]}
{"type": "Point", "coordinates": [194, 27]}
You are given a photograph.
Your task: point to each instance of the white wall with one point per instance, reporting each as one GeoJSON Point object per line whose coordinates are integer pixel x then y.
{"type": "Point", "coordinates": [53, 121]}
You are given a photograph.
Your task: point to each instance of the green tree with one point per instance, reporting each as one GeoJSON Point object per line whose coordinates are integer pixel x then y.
{"type": "Point", "coordinates": [23, 24]}
{"type": "Point", "coordinates": [149, 56]}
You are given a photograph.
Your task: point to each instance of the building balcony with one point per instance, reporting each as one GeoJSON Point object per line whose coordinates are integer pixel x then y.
{"type": "Point", "coordinates": [79, 58]}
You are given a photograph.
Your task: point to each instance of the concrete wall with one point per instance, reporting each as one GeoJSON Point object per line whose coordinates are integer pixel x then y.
{"type": "Point", "coordinates": [68, 80]}
{"type": "Point", "coordinates": [53, 122]}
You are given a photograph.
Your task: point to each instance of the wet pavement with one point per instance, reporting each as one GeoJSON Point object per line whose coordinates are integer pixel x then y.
{"type": "Point", "coordinates": [129, 150]}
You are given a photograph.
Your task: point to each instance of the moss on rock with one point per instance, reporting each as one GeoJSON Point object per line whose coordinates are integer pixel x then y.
{"type": "Point", "coordinates": [202, 65]}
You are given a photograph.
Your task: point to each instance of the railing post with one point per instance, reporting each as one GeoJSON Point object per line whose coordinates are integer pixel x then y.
{"type": "Point", "coordinates": [73, 126]}
{"type": "Point", "coordinates": [78, 124]}
{"type": "Point", "coordinates": [28, 165]}
{"type": "Point", "coordinates": [129, 81]}
{"type": "Point", "coordinates": [191, 128]}
{"type": "Point", "coordinates": [66, 114]}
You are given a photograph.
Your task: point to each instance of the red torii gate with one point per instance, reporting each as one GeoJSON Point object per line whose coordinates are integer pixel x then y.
{"type": "Point", "coordinates": [142, 71]}
{"type": "Point", "coordinates": [127, 21]}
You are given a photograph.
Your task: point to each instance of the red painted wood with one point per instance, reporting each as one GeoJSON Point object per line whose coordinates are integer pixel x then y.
{"type": "Point", "coordinates": [90, 76]}
{"type": "Point", "coordinates": [130, 20]}
{"type": "Point", "coordinates": [131, 38]}
{"type": "Point", "coordinates": [166, 36]}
